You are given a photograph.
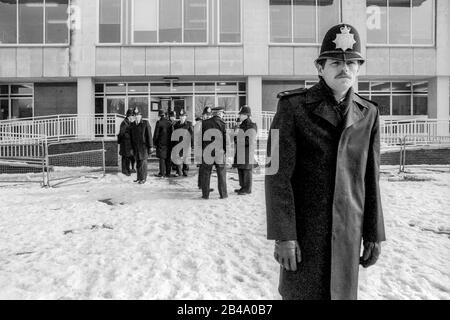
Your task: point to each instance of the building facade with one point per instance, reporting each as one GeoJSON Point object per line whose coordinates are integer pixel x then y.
{"type": "Point", "coordinates": [94, 57]}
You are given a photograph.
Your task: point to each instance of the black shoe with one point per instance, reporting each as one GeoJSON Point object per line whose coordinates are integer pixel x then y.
{"type": "Point", "coordinates": [142, 181]}
{"type": "Point", "coordinates": [243, 193]}
{"type": "Point", "coordinates": [206, 198]}
{"type": "Point", "coordinates": [127, 174]}
{"type": "Point", "coordinates": [237, 190]}
{"type": "Point", "coordinates": [185, 174]}
{"type": "Point", "coordinates": [224, 197]}
{"type": "Point", "coordinates": [159, 175]}
{"type": "Point", "coordinates": [137, 180]}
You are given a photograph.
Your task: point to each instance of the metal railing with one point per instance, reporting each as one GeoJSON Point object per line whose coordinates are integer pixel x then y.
{"type": "Point", "coordinates": [418, 131]}
{"type": "Point", "coordinates": [60, 127]}
{"type": "Point", "coordinates": [266, 118]}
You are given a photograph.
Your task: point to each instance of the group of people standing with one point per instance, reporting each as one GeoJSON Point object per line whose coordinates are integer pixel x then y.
{"type": "Point", "coordinates": [137, 143]}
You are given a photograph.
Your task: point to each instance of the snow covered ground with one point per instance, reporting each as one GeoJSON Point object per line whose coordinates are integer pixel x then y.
{"type": "Point", "coordinates": [110, 238]}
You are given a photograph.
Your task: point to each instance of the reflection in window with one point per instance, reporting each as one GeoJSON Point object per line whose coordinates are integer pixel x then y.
{"type": "Point", "coordinates": [110, 21]}
{"type": "Point", "coordinates": [8, 21]}
{"type": "Point", "coordinates": [384, 104]}
{"type": "Point", "coordinates": [294, 21]}
{"type": "Point", "coordinates": [170, 21]}
{"type": "Point", "coordinates": [203, 101]}
{"type": "Point", "coordinates": [398, 97]}
{"type": "Point", "coordinates": [328, 13]}
{"type": "Point", "coordinates": [4, 109]}
{"type": "Point", "coordinates": [304, 22]}
{"type": "Point", "coordinates": [280, 21]}
{"type": "Point", "coordinates": [399, 21]}
{"type": "Point", "coordinates": [230, 21]}
{"type": "Point", "coordinates": [31, 21]}
{"type": "Point", "coordinates": [423, 24]}
{"type": "Point", "coordinates": [21, 108]}
{"type": "Point", "coordinates": [377, 21]}
{"type": "Point", "coordinates": [56, 30]}
{"type": "Point", "coordinates": [195, 21]}
{"type": "Point", "coordinates": [401, 105]}
{"type": "Point", "coordinates": [145, 21]}
{"type": "Point", "coordinates": [390, 21]}
{"type": "Point", "coordinates": [228, 103]}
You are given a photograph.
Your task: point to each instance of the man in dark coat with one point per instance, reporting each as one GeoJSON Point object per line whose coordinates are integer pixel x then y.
{"type": "Point", "coordinates": [183, 124]}
{"type": "Point", "coordinates": [324, 198]}
{"type": "Point", "coordinates": [142, 142]}
{"type": "Point", "coordinates": [162, 142]}
{"type": "Point", "coordinates": [215, 129]}
{"type": "Point", "coordinates": [124, 140]}
{"type": "Point", "coordinates": [245, 150]}
{"type": "Point", "coordinates": [207, 113]}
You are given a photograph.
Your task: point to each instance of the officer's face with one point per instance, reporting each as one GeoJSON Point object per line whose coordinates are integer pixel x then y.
{"type": "Point", "coordinates": [183, 119]}
{"type": "Point", "coordinates": [339, 75]}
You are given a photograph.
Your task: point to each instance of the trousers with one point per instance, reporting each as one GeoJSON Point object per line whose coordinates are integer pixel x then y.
{"type": "Point", "coordinates": [245, 179]}
{"type": "Point", "coordinates": [205, 172]}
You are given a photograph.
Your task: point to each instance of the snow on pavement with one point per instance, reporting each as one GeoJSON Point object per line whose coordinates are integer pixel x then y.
{"type": "Point", "coordinates": [113, 239]}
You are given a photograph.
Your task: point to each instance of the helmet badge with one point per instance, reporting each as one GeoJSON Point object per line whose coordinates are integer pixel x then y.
{"type": "Point", "coordinates": [345, 40]}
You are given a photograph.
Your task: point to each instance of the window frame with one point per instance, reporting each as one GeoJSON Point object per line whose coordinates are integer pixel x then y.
{"type": "Point", "coordinates": [43, 44]}
{"type": "Point", "coordinates": [182, 43]}
{"type": "Point", "coordinates": [318, 42]}
{"type": "Point", "coordinates": [120, 43]}
{"type": "Point", "coordinates": [241, 6]}
{"type": "Point", "coordinates": [406, 45]}
{"type": "Point", "coordinates": [390, 93]}
{"type": "Point", "coordinates": [10, 96]}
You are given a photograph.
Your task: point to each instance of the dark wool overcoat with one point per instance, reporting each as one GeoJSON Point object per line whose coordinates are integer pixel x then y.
{"type": "Point", "coordinates": [326, 192]}
{"type": "Point", "coordinates": [215, 123]}
{"type": "Point", "coordinates": [187, 125]}
{"type": "Point", "coordinates": [247, 124]}
{"type": "Point", "coordinates": [124, 139]}
{"type": "Point", "coordinates": [141, 139]}
{"type": "Point", "coordinates": [161, 138]}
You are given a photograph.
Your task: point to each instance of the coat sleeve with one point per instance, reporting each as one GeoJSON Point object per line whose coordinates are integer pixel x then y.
{"type": "Point", "coordinates": [280, 206]}
{"type": "Point", "coordinates": [156, 134]}
{"type": "Point", "coordinates": [122, 130]}
{"type": "Point", "coordinates": [373, 224]}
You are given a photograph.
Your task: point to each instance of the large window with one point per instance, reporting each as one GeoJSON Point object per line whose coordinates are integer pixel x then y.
{"type": "Point", "coordinates": [16, 101]}
{"type": "Point", "coordinates": [302, 21]}
{"type": "Point", "coordinates": [170, 21]}
{"type": "Point", "coordinates": [34, 22]}
{"type": "Point", "coordinates": [110, 21]}
{"type": "Point", "coordinates": [397, 98]}
{"type": "Point", "coordinates": [400, 22]}
{"type": "Point", "coordinates": [230, 21]}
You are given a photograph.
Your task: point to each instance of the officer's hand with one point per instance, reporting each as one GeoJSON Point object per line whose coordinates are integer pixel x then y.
{"type": "Point", "coordinates": [372, 251]}
{"type": "Point", "coordinates": [288, 253]}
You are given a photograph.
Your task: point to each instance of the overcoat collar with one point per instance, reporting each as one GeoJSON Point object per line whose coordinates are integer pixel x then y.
{"type": "Point", "coordinates": [323, 94]}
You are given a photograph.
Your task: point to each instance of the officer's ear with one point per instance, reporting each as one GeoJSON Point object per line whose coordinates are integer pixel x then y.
{"type": "Point", "coordinates": [319, 66]}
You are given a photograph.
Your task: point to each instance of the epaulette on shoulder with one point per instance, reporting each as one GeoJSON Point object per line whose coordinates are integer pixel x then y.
{"type": "Point", "coordinates": [370, 101]}
{"type": "Point", "coordinates": [291, 93]}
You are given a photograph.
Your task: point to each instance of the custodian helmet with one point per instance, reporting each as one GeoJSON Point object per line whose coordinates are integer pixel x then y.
{"type": "Point", "coordinates": [341, 42]}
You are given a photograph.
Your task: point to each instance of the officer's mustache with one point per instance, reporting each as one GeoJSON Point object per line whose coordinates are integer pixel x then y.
{"type": "Point", "coordinates": [343, 75]}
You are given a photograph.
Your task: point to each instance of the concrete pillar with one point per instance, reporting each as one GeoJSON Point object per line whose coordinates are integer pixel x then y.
{"type": "Point", "coordinates": [86, 108]}
{"type": "Point", "coordinates": [438, 102]}
{"type": "Point", "coordinates": [254, 98]}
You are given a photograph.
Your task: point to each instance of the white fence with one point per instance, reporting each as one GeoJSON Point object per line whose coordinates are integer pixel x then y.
{"type": "Point", "coordinates": [60, 127]}
{"type": "Point", "coordinates": [416, 131]}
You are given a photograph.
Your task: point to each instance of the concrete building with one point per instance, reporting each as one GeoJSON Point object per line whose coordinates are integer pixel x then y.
{"type": "Point", "coordinates": [152, 54]}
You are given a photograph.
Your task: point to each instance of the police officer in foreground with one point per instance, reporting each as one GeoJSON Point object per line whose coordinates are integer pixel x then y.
{"type": "Point", "coordinates": [162, 142]}
{"type": "Point", "coordinates": [245, 150]}
{"type": "Point", "coordinates": [214, 126]}
{"type": "Point", "coordinates": [183, 124]}
{"type": "Point", "coordinates": [324, 200]}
